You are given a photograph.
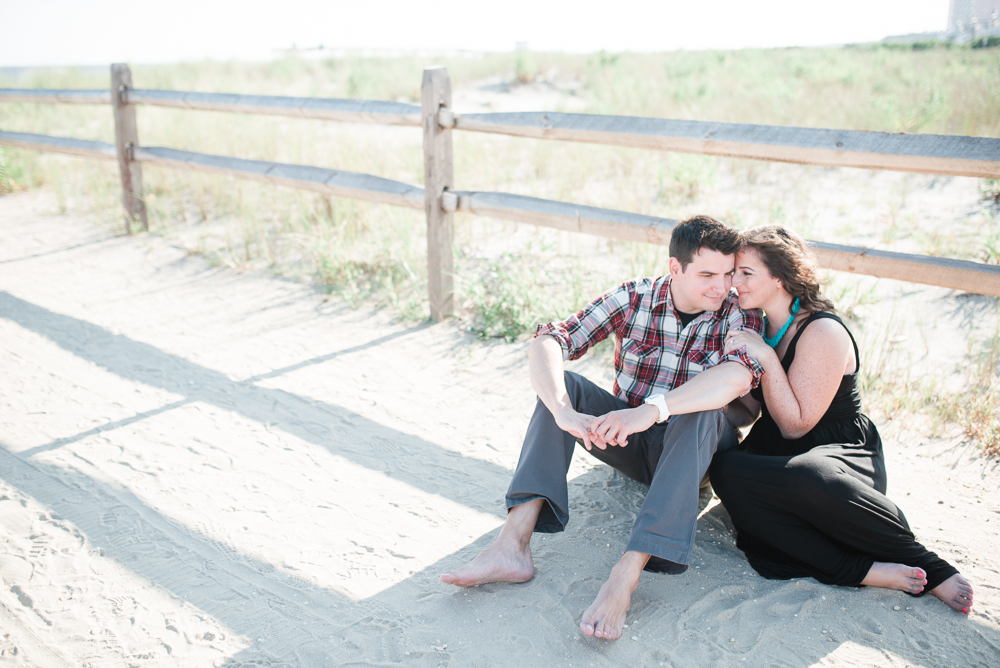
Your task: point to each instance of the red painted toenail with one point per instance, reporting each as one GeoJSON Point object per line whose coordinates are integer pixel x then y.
{"type": "Point", "coordinates": [965, 610]}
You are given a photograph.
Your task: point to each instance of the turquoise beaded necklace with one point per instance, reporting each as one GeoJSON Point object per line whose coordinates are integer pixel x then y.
{"type": "Point", "coordinates": [773, 341]}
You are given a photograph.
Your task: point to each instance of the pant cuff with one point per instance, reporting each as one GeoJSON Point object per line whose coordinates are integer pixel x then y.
{"type": "Point", "coordinates": [661, 559]}
{"type": "Point", "coordinates": [548, 519]}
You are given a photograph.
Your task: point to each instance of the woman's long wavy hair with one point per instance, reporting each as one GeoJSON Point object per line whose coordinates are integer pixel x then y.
{"type": "Point", "coordinates": [788, 258]}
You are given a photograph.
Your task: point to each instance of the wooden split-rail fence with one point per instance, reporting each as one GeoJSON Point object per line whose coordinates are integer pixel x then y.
{"type": "Point", "coordinates": [934, 154]}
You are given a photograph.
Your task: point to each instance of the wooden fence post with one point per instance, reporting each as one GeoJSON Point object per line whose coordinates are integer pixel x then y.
{"type": "Point", "coordinates": [126, 137]}
{"type": "Point", "coordinates": [435, 96]}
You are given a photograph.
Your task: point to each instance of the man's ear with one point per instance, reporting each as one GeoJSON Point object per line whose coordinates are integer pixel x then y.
{"type": "Point", "coordinates": [675, 266]}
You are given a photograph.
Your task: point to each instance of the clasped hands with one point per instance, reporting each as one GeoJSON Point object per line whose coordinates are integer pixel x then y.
{"type": "Point", "coordinates": [612, 428]}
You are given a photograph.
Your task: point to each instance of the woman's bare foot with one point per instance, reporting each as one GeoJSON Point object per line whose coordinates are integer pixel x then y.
{"type": "Point", "coordinates": [896, 576]}
{"type": "Point", "coordinates": [606, 615]}
{"type": "Point", "coordinates": [509, 558]}
{"type": "Point", "coordinates": [956, 592]}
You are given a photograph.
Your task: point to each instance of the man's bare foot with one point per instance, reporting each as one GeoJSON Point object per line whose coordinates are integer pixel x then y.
{"type": "Point", "coordinates": [896, 576]}
{"type": "Point", "coordinates": [509, 558]}
{"type": "Point", "coordinates": [606, 615]}
{"type": "Point", "coordinates": [956, 592]}
{"type": "Point", "coordinates": [497, 563]}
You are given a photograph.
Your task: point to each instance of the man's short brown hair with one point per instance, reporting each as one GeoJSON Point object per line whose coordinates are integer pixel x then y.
{"type": "Point", "coordinates": [693, 234]}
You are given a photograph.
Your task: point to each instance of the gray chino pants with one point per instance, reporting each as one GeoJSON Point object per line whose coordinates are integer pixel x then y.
{"type": "Point", "coordinates": [671, 458]}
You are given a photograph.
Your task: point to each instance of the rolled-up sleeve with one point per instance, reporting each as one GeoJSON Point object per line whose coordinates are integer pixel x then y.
{"type": "Point", "coordinates": [596, 322]}
{"type": "Point", "coordinates": [749, 321]}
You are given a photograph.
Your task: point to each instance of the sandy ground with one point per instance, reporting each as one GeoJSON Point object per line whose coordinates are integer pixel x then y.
{"type": "Point", "coordinates": [205, 468]}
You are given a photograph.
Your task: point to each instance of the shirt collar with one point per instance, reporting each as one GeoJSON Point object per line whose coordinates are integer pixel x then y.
{"type": "Point", "coordinates": [661, 292]}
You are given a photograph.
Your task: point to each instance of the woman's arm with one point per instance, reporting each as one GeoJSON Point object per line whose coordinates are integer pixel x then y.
{"type": "Point", "coordinates": [798, 401]}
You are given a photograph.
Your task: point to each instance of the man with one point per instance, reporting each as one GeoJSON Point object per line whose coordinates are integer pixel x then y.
{"type": "Point", "coordinates": [661, 426]}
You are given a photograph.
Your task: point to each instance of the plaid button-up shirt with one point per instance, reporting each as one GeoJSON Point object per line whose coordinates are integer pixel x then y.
{"type": "Point", "coordinates": [654, 352]}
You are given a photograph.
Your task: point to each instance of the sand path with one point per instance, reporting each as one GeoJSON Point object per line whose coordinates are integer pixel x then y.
{"type": "Point", "coordinates": [201, 468]}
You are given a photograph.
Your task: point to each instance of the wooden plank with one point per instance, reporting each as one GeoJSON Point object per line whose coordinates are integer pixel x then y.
{"type": "Point", "coordinates": [126, 138]}
{"type": "Point", "coordinates": [329, 109]}
{"type": "Point", "coordinates": [566, 216]}
{"type": "Point", "coordinates": [943, 272]}
{"type": "Point", "coordinates": [931, 154]}
{"type": "Point", "coordinates": [438, 177]}
{"type": "Point", "coordinates": [983, 279]}
{"type": "Point", "coordinates": [55, 96]}
{"type": "Point", "coordinates": [81, 147]}
{"type": "Point", "coordinates": [327, 181]}
{"type": "Point", "coordinates": [934, 154]}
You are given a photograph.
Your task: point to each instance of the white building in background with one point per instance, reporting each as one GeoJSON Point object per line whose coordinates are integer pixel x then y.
{"type": "Point", "coordinates": [970, 20]}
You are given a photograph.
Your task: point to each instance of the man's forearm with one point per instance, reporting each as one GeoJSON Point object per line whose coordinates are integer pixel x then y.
{"type": "Point", "coordinates": [547, 373]}
{"type": "Point", "coordinates": [710, 389]}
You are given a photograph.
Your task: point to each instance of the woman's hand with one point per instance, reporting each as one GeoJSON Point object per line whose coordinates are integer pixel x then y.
{"type": "Point", "coordinates": [753, 342]}
{"type": "Point", "coordinates": [615, 427]}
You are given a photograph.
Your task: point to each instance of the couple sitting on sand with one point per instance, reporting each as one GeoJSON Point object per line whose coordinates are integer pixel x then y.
{"type": "Point", "coordinates": [805, 489]}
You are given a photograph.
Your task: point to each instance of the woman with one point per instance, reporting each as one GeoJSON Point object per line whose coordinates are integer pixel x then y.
{"type": "Point", "coordinates": [806, 488]}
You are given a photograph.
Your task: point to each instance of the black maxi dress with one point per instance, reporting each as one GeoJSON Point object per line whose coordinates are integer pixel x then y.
{"type": "Point", "coordinates": [815, 506]}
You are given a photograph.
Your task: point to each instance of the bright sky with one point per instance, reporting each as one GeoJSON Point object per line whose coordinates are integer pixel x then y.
{"type": "Point", "coordinates": [98, 32]}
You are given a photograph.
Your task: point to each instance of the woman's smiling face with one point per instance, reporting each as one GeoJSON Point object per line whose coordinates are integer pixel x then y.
{"type": "Point", "coordinates": [752, 280]}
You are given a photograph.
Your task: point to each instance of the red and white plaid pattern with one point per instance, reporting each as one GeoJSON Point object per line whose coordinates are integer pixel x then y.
{"type": "Point", "coordinates": [652, 353]}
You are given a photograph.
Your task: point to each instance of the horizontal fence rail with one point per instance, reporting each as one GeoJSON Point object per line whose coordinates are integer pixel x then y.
{"type": "Point", "coordinates": [82, 147]}
{"type": "Point", "coordinates": [326, 109]}
{"type": "Point", "coordinates": [51, 96]}
{"type": "Point", "coordinates": [936, 154]}
{"type": "Point", "coordinates": [942, 272]}
{"type": "Point", "coordinates": [932, 154]}
{"type": "Point", "coordinates": [333, 182]}
{"type": "Point", "coordinates": [569, 217]}
{"type": "Point", "coordinates": [304, 177]}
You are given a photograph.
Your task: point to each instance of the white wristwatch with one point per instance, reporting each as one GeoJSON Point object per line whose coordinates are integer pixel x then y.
{"type": "Point", "coordinates": [661, 404]}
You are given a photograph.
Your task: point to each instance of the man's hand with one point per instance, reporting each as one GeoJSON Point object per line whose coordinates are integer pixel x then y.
{"type": "Point", "coordinates": [615, 427]}
{"type": "Point", "coordinates": [576, 424]}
